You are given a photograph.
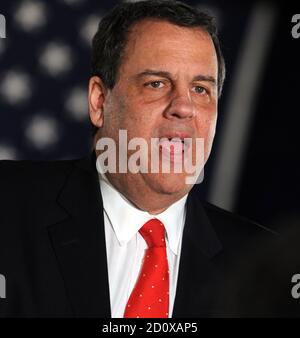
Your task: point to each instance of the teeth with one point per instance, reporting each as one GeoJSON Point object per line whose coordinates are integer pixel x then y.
{"type": "Point", "coordinates": [172, 139]}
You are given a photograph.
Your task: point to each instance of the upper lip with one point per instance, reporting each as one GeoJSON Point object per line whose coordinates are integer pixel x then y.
{"type": "Point", "coordinates": [175, 134]}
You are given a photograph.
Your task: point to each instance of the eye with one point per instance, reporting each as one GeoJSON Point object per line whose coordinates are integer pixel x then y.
{"type": "Point", "coordinates": [155, 84]}
{"type": "Point", "coordinates": [200, 90]}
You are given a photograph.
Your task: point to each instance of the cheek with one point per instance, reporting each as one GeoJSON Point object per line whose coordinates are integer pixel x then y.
{"type": "Point", "coordinates": [117, 113]}
{"type": "Point", "coordinates": [140, 117]}
{"type": "Point", "coordinates": [211, 126]}
{"type": "Point", "coordinates": [211, 129]}
{"type": "Point", "coordinates": [207, 123]}
{"type": "Point", "coordinates": [206, 130]}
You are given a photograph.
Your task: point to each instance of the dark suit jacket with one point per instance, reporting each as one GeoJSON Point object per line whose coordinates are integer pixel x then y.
{"type": "Point", "coordinates": [52, 245]}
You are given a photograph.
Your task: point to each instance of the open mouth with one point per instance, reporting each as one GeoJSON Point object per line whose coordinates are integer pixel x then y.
{"type": "Point", "coordinates": [174, 148]}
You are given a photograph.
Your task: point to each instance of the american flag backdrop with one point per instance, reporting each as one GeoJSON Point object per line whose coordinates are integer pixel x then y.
{"type": "Point", "coordinates": [44, 73]}
{"type": "Point", "coordinates": [44, 70]}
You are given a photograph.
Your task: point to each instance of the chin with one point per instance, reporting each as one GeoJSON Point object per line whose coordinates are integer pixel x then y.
{"type": "Point", "coordinates": [169, 184]}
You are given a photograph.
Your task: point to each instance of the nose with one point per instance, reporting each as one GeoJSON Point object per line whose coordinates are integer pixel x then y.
{"type": "Point", "coordinates": [181, 105]}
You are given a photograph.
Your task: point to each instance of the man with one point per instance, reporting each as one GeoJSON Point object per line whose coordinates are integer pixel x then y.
{"type": "Point", "coordinates": [83, 243]}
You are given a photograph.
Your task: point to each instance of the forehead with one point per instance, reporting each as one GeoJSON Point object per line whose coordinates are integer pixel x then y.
{"type": "Point", "coordinates": [162, 44]}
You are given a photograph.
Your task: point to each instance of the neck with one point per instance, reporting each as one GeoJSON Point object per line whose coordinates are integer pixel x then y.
{"type": "Point", "coordinates": [141, 196]}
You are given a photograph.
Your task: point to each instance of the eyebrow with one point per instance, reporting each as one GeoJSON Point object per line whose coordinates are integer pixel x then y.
{"type": "Point", "coordinates": [168, 75]}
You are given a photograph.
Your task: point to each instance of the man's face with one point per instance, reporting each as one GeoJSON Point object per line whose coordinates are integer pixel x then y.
{"type": "Point", "coordinates": [166, 87]}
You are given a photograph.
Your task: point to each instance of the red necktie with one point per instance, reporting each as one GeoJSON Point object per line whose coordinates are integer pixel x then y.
{"type": "Point", "coordinates": [150, 296]}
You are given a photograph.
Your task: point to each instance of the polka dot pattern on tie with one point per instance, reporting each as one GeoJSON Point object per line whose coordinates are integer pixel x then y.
{"type": "Point", "coordinates": [150, 295]}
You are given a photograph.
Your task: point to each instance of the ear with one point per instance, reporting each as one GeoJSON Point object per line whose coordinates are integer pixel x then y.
{"type": "Point", "coordinates": [97, 94]}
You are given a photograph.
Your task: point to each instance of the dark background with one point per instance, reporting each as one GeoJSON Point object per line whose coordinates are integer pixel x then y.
{"type": "Point", "coordinates": [44, 71]}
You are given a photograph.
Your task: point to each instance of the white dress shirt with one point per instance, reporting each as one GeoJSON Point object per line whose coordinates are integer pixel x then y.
{"type": "Point", "coordinates": [126, 247]}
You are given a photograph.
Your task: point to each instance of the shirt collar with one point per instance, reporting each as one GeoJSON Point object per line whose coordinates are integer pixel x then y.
{"type": "Point", "coordinates": [127, 219]}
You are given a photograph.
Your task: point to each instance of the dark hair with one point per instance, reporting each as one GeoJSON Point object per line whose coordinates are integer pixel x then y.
{"type": "Point", "coordinates": [111, 37]}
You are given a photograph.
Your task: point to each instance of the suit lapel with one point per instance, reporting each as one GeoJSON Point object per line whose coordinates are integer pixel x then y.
{"type": "Point", "coordinates": [77, 235]}
{"type": "Point", "coordinates": [198, 277]}
{"type": "Point", "coordinates": [79, 242]}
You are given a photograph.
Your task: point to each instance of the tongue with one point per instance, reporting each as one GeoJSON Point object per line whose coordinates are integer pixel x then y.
{"type": "Point", "coordinates": [174, 147]}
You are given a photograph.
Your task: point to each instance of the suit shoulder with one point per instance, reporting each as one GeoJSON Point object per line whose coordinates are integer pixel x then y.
{"type": "Point", "coordinates": [226, 220]}
{"type": "Point", "coordinates": [31, 168]}
{"type": "Point", "coordinates": [27, 176]}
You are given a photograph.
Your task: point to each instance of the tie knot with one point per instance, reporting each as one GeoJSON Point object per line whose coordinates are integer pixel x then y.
{"type": "Point", "coordinates": [153, 233]}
